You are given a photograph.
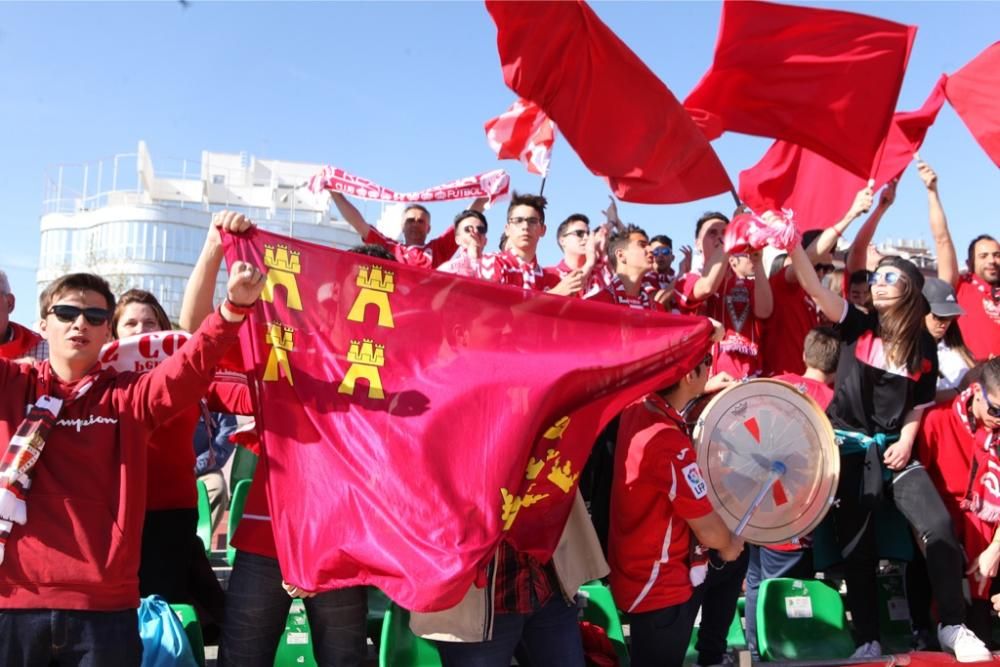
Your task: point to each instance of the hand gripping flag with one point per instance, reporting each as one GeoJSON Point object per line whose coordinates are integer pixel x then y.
{"type": "Point", "coordinates": [974, 92]}
{"type": "Point", "coordinates": [819, 191]}
{"type": "Point", "coordinates": [822, 79]}
{"type": "Point", "coordinates": [404, 412]}
{"type": "Point", "coordinates": [523, 132]}
{"type": "Point", "coordinates": [619, 117]}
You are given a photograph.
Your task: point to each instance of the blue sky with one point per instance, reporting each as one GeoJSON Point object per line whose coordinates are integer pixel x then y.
{"type": "Point", "coordinates": [396, 92]}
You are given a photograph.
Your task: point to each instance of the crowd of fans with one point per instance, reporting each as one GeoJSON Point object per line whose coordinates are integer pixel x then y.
{"type": "Point", "coordinates": [904, 365]}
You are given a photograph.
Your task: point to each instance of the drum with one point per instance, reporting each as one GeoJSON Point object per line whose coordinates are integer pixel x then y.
{"type": "Point", "coordinates": [768, 456]}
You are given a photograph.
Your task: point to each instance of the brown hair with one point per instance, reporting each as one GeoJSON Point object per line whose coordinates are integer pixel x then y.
{"type": "Point", "coordinates": [74, 282]}
{"type": "Point", "coordinates": [145, 298]}
{"type": "Point", "coordinates": [902, 324]}
{"type": "Point", "coordinates": [621, 240]}
{"type": "Point", "coordinates": [536, 202]}
{"type": "Point", "coordinates": [822, 349]}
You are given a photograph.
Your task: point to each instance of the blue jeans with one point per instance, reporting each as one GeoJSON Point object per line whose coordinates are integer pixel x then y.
{"type": "Point", "coordinates": [257, 608]}
{"type": "Point", "coordinates": [33, 637]}
{"type": "Point", "coordinates": [548, 637]}
{"type": "Point", "coordinates": [771, 564]}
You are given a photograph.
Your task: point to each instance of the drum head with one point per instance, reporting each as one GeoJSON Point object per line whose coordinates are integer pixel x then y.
{"type": "Point", "coordinates": [739, 436]}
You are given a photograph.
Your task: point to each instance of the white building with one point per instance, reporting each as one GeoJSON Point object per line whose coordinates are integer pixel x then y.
{"type": "Point", "coordinates": [142, 228]}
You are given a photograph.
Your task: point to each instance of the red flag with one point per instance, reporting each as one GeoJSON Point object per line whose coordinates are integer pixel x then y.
{"type": "Point", "coordinates": [524, 133]}
{"type": "Point", "coordinates": [619, 117]}
{"type": "Point", "coordinates": [819, 191]}
{"type": "Point", "coordinates": [974, 92]}
{"type": "Point", "coordinates": [821, 79]}
{"type": "Point", "coordinates": [400, 413]}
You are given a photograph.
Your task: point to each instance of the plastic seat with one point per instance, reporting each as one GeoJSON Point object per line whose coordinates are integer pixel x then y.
{"type": "Point", "coordinates": [236, 505]}
{"type": "Point", "coordinates": [801, 620]}
{"type": "Point", "coordinates": [204, 517]}
{"type": "Point", "coordinates": [736, 639]}
{"type": "Point", "coordinates": [244, 465]}
{"type": "Point", "coordinates": [597, 606]}
{"type": "Point", "coordinates": [894, 614]}
{"type": "Point", "coordinates": [295, 648]}
{"type": "Point", "coordinates": [192, 628]}
{"type": "Point", "coordinates": [378, 602]}
{"type": "Point", "coordinates": [399, 647]}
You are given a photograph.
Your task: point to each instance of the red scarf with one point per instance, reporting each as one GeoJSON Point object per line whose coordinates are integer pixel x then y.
{"type": "Point", "coordinates": [641, 301]}
{"type": "Point", "coordinates": [983, 496]}
{"type": "Point", "coordinates": [22, 341]}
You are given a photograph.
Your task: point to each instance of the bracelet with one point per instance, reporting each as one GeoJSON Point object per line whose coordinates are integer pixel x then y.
{"type": "Point", "coordinates": [237, 309]}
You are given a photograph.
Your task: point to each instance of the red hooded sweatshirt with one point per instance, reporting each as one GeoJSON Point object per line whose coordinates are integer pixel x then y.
{"type": "Point", "coordinates": [80, 546]}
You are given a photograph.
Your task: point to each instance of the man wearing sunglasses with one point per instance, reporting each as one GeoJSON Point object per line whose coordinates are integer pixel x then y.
{"type": "Point", "coordinates": [73, 476]}
{"type": "Point", "coordinates": [583, 250]}
{"type": "Point", "coordinates": [957, 444]}
{"type": "Point", "coordinates": [16, 341]}
{"type": "Point", "coordinates": [415, 250]}
{"type": "Point", "coordinates": [470, 237]}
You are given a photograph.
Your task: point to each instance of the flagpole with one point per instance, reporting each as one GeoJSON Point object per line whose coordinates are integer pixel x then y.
{"type": "Point", "coordinates": [736, 197]}
{"type": "Point", "coordinates": [541, 189]}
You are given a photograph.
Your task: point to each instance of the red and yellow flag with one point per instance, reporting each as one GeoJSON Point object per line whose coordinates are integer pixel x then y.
{"type": "Point", "coordinates": [412, 419]}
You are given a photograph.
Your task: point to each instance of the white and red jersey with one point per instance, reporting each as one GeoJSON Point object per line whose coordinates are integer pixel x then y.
{"type": "Point", "coordinates": [429, 256]}
{"type": "Point", "coordinates": [507, 268]}
{"type": "Point", "coordinates": [599, 278]}
{"type": "Point", "coordinates": [657, 487]}
{"type": "Point", "coordinates": [980, 324]}
{"type": "Point", "coordinates": [615, 293]}
{"type": "Point", "coordinates": [738, 354]}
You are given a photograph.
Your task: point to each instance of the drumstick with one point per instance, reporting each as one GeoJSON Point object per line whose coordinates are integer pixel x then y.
{"type": "Point", "coordinates": [777, 470]}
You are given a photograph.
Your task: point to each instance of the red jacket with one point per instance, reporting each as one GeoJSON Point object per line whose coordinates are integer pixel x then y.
{"type": "Point", "coordinates": [80, 547]}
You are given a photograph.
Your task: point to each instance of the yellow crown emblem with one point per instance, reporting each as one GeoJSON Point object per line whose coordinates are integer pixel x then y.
{"type": "Point", "coordinates": [366, 352]}
{"type": "Point", "coordinates": [280, 335]}
{"type": "Point", "coordinates": [281, 258]}
{"type": "Point", "coordinates": [373, 277]}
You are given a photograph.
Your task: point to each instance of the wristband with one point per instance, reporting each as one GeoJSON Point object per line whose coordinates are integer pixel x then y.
{"type": "Point", "coordinates": [237, 309]}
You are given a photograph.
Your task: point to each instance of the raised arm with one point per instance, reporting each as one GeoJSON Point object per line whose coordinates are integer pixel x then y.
{"type": "Point", "coordinates": [351, 214]}
{"type": "Point", "coordinates": [712, 275]}
{"type": "Point", "coordinates": [827, 241]}
{"type": "Point", "coordinates": [199, 293]}
{"type": "Point", "coordinates": [947, 260]}
{"type": "Point", "coordinates": [830, 303]}
{"type": "Point", "coordinates": [857, 256]}
{"type": "Point", "coordinates": [763, 301]}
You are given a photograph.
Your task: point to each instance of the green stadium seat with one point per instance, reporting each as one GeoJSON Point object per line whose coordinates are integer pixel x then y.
{"type": "Point", "coordinates": [399, 647]}
{"type": "Point", "coordinates": [295, 648]}
{"type": "Point", "coordinates": [236, 505]}
{"type": "Point", "coordinates": [894, 614]}
{"type": "Point", "coordinates": [378, 602]}
{"type": "Point", "coordinates": [736, 639]}
{"type": "Point", "coordinates": [192, 628]}
{"type": "Point", "coordinates": [244, 465]}
{"type": "Point", "coordinates": [597, 606]}
{"type": "Point", "coordinates": [204, 517]}
{"type": "Point", "coordinates": [801, 620]}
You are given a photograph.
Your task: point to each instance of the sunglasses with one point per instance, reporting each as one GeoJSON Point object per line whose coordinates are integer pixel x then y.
{"type": "Point", "coordinates": [889, 278]}
{"type": "Point", "coordinates": [663, 251]}
{"type": "Point", "coordinates": [824, 268]}
{"type": "Point", "coordinates": [578, 233]}
{"type": "Point", "coordinates": [992, 409]}
{"type": "Point", "coordinates": [94, 316]}
{"type": "Point", "coordinates": [479, 229]}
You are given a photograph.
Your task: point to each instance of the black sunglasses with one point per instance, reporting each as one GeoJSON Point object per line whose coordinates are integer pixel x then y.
{"type": "Point", "coordinates": [481, 229]}
{"type": "Point", "coordinates": [579, 233]}
{"type": "Point", "coordinates": [662, 251]}
{"type": "Point", "coordinates": [824, 268]}
{"type": "Point", "coordinates": [94, 316]}
{"type": "Point", "coordinates": [992, 409]}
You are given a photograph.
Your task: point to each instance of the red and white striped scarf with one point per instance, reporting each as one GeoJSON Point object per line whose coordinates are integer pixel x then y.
{"type": "Point", "coordinates": [509, 269]}
{"type": "Point", "coordinates": [983, 495]}
{"type": "Point", "coordinates": [641, 301]}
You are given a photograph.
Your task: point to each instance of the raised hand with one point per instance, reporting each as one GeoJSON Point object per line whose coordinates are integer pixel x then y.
{"type": "Point", "coordinates": [927, 175]}
{"type": "Point", "coordinates": [888, 195]}
{"type": "Point", "coordinates": [245, 284]}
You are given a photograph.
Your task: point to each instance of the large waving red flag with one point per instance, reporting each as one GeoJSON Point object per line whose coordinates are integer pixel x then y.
{"type": "Point", "coordinates": [523, 132]}
{"type": "Point", "coordinates": [620, 118]}
{"type": "Point", "coordinates": [822, 79]}
{"type": "Point", "coordinates": [404, 412]}
{"type": "Point", "coordinates": [974, 92]}
{"type": "Point", "coordinates": [819, 191]}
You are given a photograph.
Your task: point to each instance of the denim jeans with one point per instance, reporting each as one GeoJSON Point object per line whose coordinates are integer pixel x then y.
{"type": "Point", "coordinates": [548, 637]}
{"type": "Point", "coordinates": [771, 564]}
{"type": "Point", "coordinates": [660, 638]}
{"type": "Point", "coordinates": [257, 608]}
{"type": "Point", "coordinates": [33, 637]}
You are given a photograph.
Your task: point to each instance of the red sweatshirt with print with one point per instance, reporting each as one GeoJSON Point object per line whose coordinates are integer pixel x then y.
{"type": "Point", "coordinates": [80, 546]}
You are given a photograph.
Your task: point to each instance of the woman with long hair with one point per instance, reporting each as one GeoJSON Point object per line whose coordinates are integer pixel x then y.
{"type": "Point", "coordinates": [954, 357]}
{"type": "Point", "coordinates": [173, 563]}
{"type": "Point", "coordinates": [886, 377]}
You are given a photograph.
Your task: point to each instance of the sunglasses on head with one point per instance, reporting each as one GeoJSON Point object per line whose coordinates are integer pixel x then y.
{"type": "Point", "coordinates": [663, 251]}
{"type": "Point", "coordinates": [67, 313]}
{"type": "Point", "coordinates": [578, 233]}
{"type": "Point", "coordinates": [992, 409]}
{"type": "Point", "coordinates": [889, 278]}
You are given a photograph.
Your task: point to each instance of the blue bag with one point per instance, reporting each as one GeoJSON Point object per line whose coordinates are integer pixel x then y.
{"type": "Point", "coordinates": [164, 643]}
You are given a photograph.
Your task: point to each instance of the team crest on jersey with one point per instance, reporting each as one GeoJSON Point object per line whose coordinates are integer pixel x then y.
{"type": "Point", "coordinates": [738, 305]}
{"type": "Point", "coordinates": [692, 475]}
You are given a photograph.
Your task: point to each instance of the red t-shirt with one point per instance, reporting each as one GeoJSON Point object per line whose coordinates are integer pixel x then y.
{"type": "Point", "coordinates": [980, 324]}
{"type": "Point", "coordinates": [657, 486]}
{"type": "Point", "coordinates": [738, 354]}
{"type": "Point", "coordinates": [23, 342]}
{"type": "Point", "coordinates": [253, 534]}
{"type": "Point", "coordinates": [429, 256]}
{"type": "Point", "coordinates": [784, 333]}
{"type": "Point", "coordinates": [816, 390]}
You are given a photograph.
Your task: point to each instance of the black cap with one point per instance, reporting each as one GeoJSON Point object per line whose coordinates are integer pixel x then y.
{"type": "Point", "coordinates": [941, 297]}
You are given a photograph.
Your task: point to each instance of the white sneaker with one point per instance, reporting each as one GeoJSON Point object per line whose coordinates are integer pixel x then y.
{"type": "Point", "coordinates": [962, 643]}
{"type": "Point", "coordinates": [868, 650]}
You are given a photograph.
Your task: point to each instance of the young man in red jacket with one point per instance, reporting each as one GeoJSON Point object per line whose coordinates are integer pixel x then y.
{"type": "Point", "coordinates": [73, 478]}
